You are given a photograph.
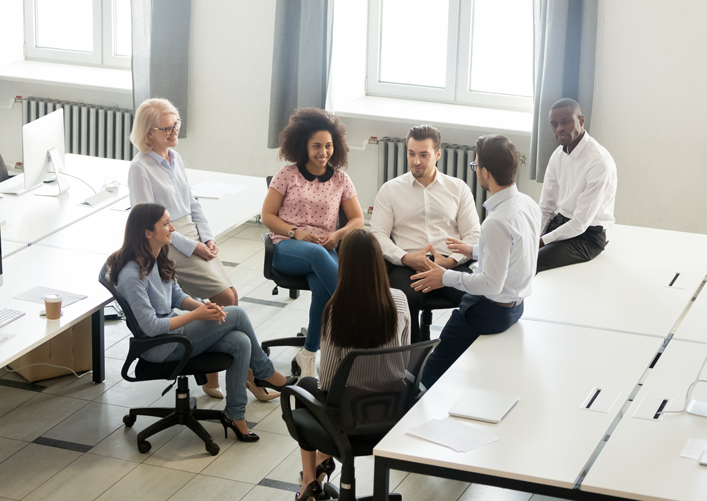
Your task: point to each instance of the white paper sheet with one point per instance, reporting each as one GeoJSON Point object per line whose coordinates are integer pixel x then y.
{"type": "Point", "coordinates": [454, 434]}
{"type": "Point", "coordinates": [36, 295]}
{"type": "Point", "coordinates": [5, 337]}
{"type": "Point", "coordinates": [204, 193]}
{"type": "Point", "coordinates": [694, 448]}
{"type": "Point", "coordinates": [218, 188]}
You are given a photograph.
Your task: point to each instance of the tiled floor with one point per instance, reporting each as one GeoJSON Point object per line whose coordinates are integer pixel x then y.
{"type": "Point", "coordinates": [63, 438]}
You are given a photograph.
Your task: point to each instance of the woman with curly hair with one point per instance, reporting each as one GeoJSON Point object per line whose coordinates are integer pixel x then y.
{"type": "Point", "coordinates": [301, 210]}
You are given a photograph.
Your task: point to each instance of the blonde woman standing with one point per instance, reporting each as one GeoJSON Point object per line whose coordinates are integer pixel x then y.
{"type": "Point", "coordinates": [157, 175]}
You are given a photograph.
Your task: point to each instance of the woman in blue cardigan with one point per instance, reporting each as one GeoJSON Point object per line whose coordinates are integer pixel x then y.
{"type": "Point", "coordinates": [145, 276]}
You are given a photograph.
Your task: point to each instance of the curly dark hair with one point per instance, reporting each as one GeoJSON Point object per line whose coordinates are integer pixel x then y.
{"type": "Point", "coordinates": [304, 123]}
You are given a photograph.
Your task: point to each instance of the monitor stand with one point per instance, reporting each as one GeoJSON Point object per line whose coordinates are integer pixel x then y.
{"type": "Point", "coordinates": [696, 407]}
{"type": "Point", "coordinates": [57, 167]}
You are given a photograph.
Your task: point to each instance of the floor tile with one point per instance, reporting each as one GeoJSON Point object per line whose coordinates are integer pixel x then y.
{"type": "Point", "coordinates": [364, 477]}
{"type": "Point", "coordinates": [254, 262]}
{"type": "Point", "coordinates": [187, 452]}
{"type": "Point", "coordinates": [288, 469]}
{"type": "Point", "coordinates": [274, 424]}
{"type": "Point", "coordinates": [83, 480]}
{"type": "Point", "coordinates": [11, 398]}
{"type": "Point", "coordinates": [122, 443]}
{"type": "Point", "coordinates": [119, 350]}
{"type": "Point", "coordinates": [250, 462]}
{"type": "Point", "coordinates": [478, 492]}
{"type": "Point", "coordinates": [245, 280]}
{"type": "Point", "coordinates": [8, 447]}
{"type": "Point", "coordinates": [255, 410]}
{"type": "Point", "coordinates": [206, 488]}
{"type": "Point", "coordinates": [129, 394]}
{"type": "Point", "coordinates": [149, 483]}
{"type": "Point", "coordinates": [285, 323]}
{"type": "Point", "coordinates": [114, 331]}
{"type": "Point", "coordinates": [84, 387]}
{"type": "Point", "coordinates": [260, 493]}
{"type": "Point", "coordinates": [31, 467]}
{"type": "Point", "coordinates": [264, 291]}
{"type": "Point", "coordinates": [90, 425]}
{"type": "Point", "coordinates": [253, 232]}
{"type": "Point", "coordinates": [303, 302]}
{"type": "Point", "coordinates": [38, 415]}
{"type": "Point", "coordinates": [238, 250]}
{"type": "Point", "coordinates": [422, 488]}
{"type": "Point", "coordinates": [258, 313]}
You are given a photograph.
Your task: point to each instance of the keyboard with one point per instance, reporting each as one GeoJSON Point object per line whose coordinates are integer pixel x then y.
{"type": "Point", "coordinates": [7, 315]}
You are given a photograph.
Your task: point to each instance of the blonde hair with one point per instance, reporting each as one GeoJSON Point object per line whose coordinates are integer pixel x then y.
{"type": "Point", "coordinates": [146, 117]}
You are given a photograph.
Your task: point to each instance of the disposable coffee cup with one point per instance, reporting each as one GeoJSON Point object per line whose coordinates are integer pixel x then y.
{"type": "Point", "coordinates": [52, 303]}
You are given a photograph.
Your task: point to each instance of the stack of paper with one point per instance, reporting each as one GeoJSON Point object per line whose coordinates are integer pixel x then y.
{"type": "Point", "coordinates": [214, 189]}
{"type": "Point", "coordinates": [694, 448]}
{"type": "Point", "coordinates": [454, 434]}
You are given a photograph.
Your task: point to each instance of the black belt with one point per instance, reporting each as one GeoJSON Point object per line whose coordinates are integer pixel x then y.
{"type": "Point", "coordinates": [512, 304]}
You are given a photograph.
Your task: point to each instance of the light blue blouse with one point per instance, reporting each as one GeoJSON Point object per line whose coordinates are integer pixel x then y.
{"type": "Point", "coordinates": [152, 179]}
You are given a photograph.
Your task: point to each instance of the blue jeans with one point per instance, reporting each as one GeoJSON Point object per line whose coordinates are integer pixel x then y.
{"type": "Point", "coordinates": [321, 267]}
{"type": "Point", "coordinates": [474, 317]}
{"type": "Point", "coordinates": [234, 336]}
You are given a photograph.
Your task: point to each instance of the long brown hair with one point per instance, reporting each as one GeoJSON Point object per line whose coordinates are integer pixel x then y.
{"type": "Point", "coordinates": [137, 248]}
{"type": "Point", "coordinates": [361, 313]}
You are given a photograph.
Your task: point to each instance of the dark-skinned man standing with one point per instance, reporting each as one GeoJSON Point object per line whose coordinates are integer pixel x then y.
{"type": "Point", "coordinates": [578, 194]}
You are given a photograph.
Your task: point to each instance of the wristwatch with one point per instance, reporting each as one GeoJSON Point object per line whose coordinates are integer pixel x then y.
{"type": "Point", "coordinates": [291, 234]}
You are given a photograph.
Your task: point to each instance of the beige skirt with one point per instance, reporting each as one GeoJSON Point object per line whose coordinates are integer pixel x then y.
{"type": "Point", "coordinates": [195, 275]}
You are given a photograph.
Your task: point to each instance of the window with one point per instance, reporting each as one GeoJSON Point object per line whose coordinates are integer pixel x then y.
{"type": "Point", "coordinates": [477, 52]}
{"type": "Point", "coordinates": [94, 32]}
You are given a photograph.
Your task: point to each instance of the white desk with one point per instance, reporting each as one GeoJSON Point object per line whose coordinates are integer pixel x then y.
{"type": "Point", "coordinates": [223, 215]}
{"type": "Point", "coordinates": [694, 326]}
{"type": "Point", "coordinates": [546, 439]}
{"type": "Point", "coordinates": [9, 248]}
{"type": "Point", "coordinates": [72, 271]}
{"type": "Point", "coordinates": [623, 288]}
{"type": "Point", "coordinates": [30, 218]}
{"type": "Point", "coordinates": [642, 459]}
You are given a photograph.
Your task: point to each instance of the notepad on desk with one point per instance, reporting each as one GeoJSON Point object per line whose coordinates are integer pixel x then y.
{"type": "Point", "coordinates": [484, 405]}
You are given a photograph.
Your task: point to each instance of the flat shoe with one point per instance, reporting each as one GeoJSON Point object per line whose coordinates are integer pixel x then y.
{"type": "Point", "coordinates": [261, 393]}
{"type": "Point", "coordinates": [213, 392]}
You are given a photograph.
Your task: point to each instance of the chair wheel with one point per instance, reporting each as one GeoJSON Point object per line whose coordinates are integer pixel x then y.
{"type": "Point", "coordinates": [296, 370]}
{"type": "Point", "coordinates": [128, 421]}
{"type": "Point", "coordinates": [212, 449]}
{"type": "Point", "coordinates": [330, 490]}
{"type": "Point", "coordinates": [144, 446]}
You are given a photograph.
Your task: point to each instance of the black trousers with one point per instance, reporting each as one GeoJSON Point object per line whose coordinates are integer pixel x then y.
{"type": "Point", "coordinates": [579, 249]}
{"type": "Point", "coordinates": [399, 278]}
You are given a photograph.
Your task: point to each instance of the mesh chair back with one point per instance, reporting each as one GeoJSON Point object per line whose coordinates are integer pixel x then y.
{"type": "Point", "coordinates": [127, 311]}
{"type": "Point", "coordinates": [3, 170]}
{"type": "Point", "coordinates": [373, 389]}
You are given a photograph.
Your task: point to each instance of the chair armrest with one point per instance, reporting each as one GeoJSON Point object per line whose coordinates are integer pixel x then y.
{"type": "Point", "coordinates": [269, 253]}
{"type": "Point", "coordinates": [140, 346]}
{"type": "Point", "coordinates": [328, 417]}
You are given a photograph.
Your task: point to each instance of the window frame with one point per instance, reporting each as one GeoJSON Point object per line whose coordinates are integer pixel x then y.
{"type": "Point", "coordinates": [459, 46]}
{"type": "Point", "coordinates": [103, 40]}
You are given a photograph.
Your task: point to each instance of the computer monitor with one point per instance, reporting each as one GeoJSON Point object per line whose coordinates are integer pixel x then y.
{"type": "Point", "coordinates": [43, 152]}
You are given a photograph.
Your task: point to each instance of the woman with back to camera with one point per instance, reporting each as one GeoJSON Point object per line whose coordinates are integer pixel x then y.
{"type": "Point", "coordinates": [157, 175]}
{"type": "Point", "coordinates": [301, 210]}
{"type": "Point", "coordinates": [363, 313]}
{"type": "Point", "coordinates": [145, 276]}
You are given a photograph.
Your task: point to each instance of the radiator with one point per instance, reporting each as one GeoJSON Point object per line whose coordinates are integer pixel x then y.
{"type": "Point", "coordinates": [97, 131]}
{"type": "Point", "coordinates": [455, 159]}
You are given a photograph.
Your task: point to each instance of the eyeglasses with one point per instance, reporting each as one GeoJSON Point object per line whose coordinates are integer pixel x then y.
{"type": "Point", "coordinates": [172, 128]}
{"type": "Point", "coordinates": [474, 166]}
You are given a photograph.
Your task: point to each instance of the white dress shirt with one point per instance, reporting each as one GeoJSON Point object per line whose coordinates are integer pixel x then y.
{"type": "Point", "coordinates": [407, 216]}
{"type": "Point", "coordinates": [582, 187]}
{"type": "Point", "coordinates": [153, 179]}
{"type": "Point", "coordinates": [507, 252]}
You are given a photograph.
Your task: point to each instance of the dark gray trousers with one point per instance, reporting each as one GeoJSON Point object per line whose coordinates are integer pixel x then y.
{"type": "Point", "coordinates": [579, 249]}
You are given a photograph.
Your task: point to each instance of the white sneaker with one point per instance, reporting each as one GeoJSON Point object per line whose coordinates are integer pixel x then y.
{"type": "Point", "coordinates": [307, 362]}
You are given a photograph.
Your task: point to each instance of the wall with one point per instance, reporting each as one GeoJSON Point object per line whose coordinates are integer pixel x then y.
{"type": "Point", "coordinates": [650, 112]}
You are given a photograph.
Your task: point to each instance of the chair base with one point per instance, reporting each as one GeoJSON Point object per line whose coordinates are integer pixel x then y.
{"type": "Point", "coordinates": [184, 413]}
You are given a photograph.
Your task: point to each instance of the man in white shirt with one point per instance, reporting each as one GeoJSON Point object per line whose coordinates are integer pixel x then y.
{"type": "Point", "coordinates": [506, 257]}
{"type": "Point", "coordinates": [578, 194]}
{"type": "Point", "coordinates": [415, 213]}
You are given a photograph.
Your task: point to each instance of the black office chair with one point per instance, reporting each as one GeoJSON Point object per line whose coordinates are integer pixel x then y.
{"type": "Point", "coordinates": [3, 170]}
{"type": "Point", "coordinates": [355, 418]}
{"type": "Point", "coordinates": [294, 283]}
{"type": "Point", "coordinates": [184, 411]}
{"type": "Point", "coordinates": [432, 303]}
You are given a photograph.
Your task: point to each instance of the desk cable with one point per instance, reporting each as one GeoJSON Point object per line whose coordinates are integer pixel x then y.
{"type": "Point", "coordinates": [50, 365]}
{"type": "Point", "coordinates": [84, 182]}
{"type": "Point", "coordinates": [689, 389]}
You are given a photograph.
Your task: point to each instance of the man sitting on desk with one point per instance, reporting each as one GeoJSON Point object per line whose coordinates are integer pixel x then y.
{"type": "Point", "coordinates": [414, 213]}
{"type": "Point", "coordinates": [578, 194]}
{"type": "Point", "coordinates": [506, 257]}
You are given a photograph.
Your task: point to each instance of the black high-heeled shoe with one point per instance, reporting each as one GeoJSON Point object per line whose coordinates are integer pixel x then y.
{"type": "Point", "coordinates": [262, 383]}
{"type": "Point", "coordinates": [227, 423]}
{"type": "Point", "coordinates": [324, 469]}
{"type": "Point", "coordinates": [311, 493]}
